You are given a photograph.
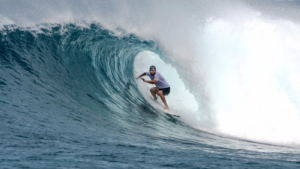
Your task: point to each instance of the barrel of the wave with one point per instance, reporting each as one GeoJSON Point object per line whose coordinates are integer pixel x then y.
{"type": "Point", "coordinates": [180, 100]}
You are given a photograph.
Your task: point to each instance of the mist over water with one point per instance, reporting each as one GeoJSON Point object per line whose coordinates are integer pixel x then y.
{"type": "Point", "coordinates": [238, 63]}
{"type": "Point", "coordinates": [254, 86]}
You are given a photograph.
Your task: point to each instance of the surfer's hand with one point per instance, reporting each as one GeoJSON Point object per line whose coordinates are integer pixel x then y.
{"type": "Point", "coordinates": [143, 79]}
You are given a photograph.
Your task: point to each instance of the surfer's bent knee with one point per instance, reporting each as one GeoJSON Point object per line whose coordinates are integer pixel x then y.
{"type": "Point", "coordinates": [153, 89]}
{"type": "Point", "coordinates": [160, 93]}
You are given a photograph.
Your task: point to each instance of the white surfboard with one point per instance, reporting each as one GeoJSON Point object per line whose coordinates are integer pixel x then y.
{"type": "Point", "coordinates": [167, 111]}
{"type": "Point", "coordinates": [170, 112]}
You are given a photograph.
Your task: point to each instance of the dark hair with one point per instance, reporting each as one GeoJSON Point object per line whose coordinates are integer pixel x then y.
{"type": "Point", "coordinates": [152, 67]}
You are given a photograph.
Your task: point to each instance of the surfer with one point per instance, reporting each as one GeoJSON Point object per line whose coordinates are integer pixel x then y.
{"type": "Point", "coordinates": [162, 87]}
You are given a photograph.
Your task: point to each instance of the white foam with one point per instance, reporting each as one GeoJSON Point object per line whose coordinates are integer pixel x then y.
{"type": "Point", "coordinates": [252, 78]}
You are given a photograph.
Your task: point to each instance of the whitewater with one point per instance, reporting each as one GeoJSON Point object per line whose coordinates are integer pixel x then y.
{"type": "Point", "coordinates": [69, 97]}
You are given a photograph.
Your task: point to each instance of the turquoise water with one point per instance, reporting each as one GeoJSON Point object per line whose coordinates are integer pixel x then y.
{"type": "Point", "coordinates": [69, 99]}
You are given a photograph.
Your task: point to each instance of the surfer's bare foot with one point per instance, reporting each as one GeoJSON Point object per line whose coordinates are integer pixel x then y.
{"type": "Point", "coordinates": [166, 108]}
{"type": "Point", "coordinates": [155, 98]}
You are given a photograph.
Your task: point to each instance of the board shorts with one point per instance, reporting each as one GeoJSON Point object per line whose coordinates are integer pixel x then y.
{"type": "Point", "coordinates": [166, 91]}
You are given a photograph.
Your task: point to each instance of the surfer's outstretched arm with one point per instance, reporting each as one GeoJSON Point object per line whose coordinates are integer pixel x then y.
{"type": "Point", "coordinates": [144, 74]}
{"type": "Point", "coordinates": [149, 81]}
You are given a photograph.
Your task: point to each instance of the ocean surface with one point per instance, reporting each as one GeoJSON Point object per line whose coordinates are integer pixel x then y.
{"type": "Point", "coordinates": [69, 97]}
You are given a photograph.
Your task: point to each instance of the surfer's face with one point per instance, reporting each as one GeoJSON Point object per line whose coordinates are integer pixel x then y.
{"type": "Point", "coordinates": [152, 71]}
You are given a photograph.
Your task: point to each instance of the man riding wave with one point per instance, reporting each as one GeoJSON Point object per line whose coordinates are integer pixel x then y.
{"type": "Point", "coordinates": [162, 87]}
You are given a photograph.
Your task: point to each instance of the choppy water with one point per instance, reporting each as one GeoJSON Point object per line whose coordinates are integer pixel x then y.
{"type": "Point", "coordinates": [69, 97]}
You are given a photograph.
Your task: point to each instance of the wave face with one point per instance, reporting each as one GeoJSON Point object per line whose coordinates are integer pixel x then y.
{"type": "Point", "coordinates": [69, 67]}
{"type": "Point", "coordinates": [69, 97]}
